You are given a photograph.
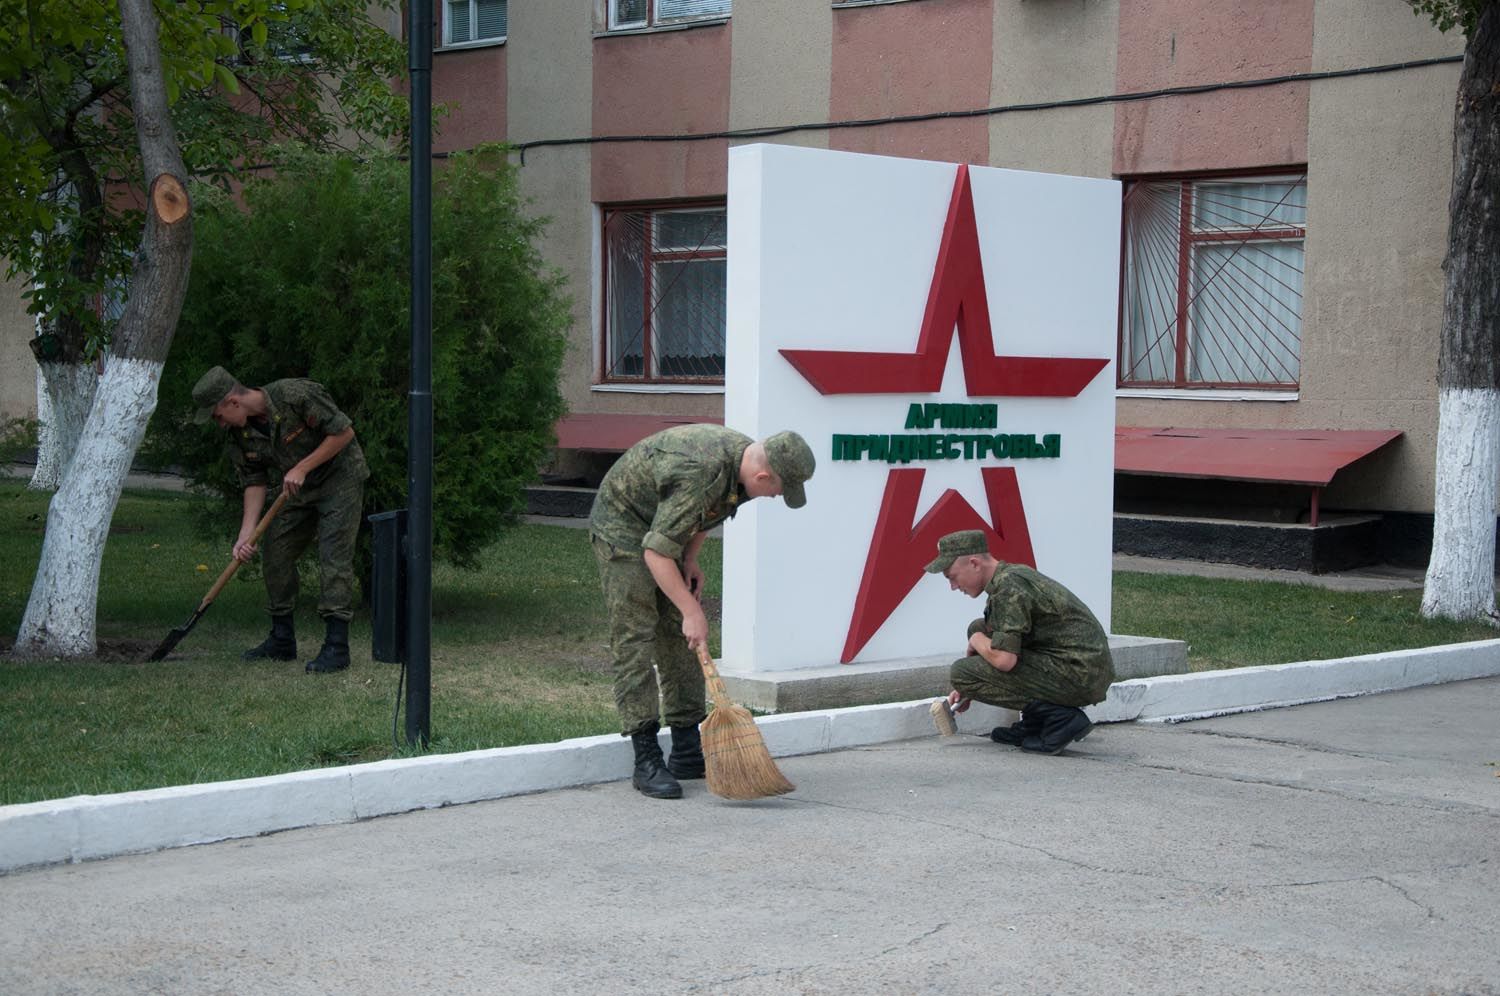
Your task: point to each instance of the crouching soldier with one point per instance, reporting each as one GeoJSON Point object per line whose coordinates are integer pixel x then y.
{"type": "Point", "coordinates": [293, 427]}
{"type": "Point", "coordinates": [1038, 649]}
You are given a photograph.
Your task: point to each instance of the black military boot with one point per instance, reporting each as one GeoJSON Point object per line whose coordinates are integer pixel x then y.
{"type": "Point", "coordinates": [335, 653]}
{"type": "Point", "coordinates": [687, 753]}
{"type": "Point", "coordinates": [1014, 735]}
{"type": "Point", "coordinates": [281, 645]}
{"type": "Point", "coordinates": [651, 776]}
{"type": "Point", "coordinates": [1061, 725]}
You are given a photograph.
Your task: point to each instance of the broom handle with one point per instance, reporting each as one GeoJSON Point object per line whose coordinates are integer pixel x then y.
{"type": "Point", "coordinates": [711, 676]}
{"type": "Point", "coordinates": [234, 562]}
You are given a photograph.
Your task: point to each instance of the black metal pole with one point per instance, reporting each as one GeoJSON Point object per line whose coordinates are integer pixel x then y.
{"type": "Point", "coordinates": [419, 416]}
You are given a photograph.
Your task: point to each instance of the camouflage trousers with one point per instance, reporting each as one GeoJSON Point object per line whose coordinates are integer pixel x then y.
{"type": "Point", "coordinates": [656, 676]}
{"type": "Point", "coordinates": [330, 514]}
{"type": "Point", "coordinates": [1037, 677]}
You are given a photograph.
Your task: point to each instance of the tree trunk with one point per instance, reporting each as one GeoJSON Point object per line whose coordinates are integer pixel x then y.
{"type": "Point", "coordinates": [65, 392]}
{"type": "Point", "coordinates": [1461, 573]}
{"type": "Point", "coordinates": [60, 617]}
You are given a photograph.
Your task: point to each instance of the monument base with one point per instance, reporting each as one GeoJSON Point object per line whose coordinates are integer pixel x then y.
{"type": "Point", "coordinates": [904, 679]}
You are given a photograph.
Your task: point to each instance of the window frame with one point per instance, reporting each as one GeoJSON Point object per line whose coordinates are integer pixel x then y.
{"type": "Point", "coordinates": [446, 27]}
{"type": "Point", "coordinates": [1188, 237]}
{"type": "Point", "coordinates": [653, 20]}
{"type": "Point", "coordinates": [650, 376]}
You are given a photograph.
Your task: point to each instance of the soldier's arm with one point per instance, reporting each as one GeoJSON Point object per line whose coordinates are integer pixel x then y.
{"type": "Point", "coordinates": [668, 577]}
{"type": "Point", "coordinates": [1000, 660]}
{"type": "Point", "coordinates": [254, 501]}
{"type": "Point", "coordinates": [690, 569]}
{"type": "Point", "coordinates": [1007, 616]}
{"type": "Point", "coordinates": [329, 448]}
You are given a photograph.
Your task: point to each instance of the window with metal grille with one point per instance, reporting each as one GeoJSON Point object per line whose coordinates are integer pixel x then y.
{"type": "Point", "coordinates": [646, 13]}
{"type": "Point", "coordinates": [466, 21]}
{"type": "Point", "coordinates": [664, 272]}
{"type": "Point", "coordinates": [1212, 282]}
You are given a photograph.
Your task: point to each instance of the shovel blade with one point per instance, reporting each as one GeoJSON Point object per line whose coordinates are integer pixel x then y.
{"type": "Point", "coordinates": [174, 637]}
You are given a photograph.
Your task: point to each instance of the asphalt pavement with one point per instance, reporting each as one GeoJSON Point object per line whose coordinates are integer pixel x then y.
{"type": "Point", "coordinates": [1342, 847]}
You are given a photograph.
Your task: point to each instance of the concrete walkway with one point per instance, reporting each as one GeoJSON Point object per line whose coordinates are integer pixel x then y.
{"type": "Point", "coordinates": [1343, 847]}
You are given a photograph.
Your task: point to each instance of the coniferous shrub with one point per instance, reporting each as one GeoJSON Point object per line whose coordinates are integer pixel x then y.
{"type": "Point", "coordinates": [308, 275]}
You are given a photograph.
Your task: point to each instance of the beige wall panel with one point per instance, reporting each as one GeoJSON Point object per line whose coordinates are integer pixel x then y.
{"type": "Point", "coordinates": [780, 72]}
{"type": "Point", "coordinates": [17, 368]}
{"type": "Point", "coordinates": [555, 182]}
{"type": "Point", "coordinates": [549, 94]}
{"type": "Point", "coordinates": [1059, 50]}
{"type": "Point", "coordinates": [550, 77]}
{"type": "Point", "coordinates": [1378, 179]}
{"type": "Point", "coordinates": [1076, 141]}
{"type": "Point", "coordinates": [1350, 34]}
{"type": "Point", "coordinates": [1054, 50]}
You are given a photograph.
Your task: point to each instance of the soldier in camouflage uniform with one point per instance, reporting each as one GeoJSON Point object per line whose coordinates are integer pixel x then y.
{"type": "Point", "coordinates": [654, 508]}
{"type": "Point", "coordinates": [1038, 648]}
{"type": "Point", "coordinates": [294, 428]}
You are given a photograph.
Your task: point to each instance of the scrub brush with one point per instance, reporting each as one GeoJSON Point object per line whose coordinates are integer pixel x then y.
{"type": "Point", "coordinates": [944, 716]}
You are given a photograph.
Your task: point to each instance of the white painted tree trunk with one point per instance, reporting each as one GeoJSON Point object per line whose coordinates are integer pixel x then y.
{"type": "Point", "coordinates": [1461, 574]}
{"type": "Point", "coordinates": [61, 614]}
{"type": "Point", "coordinates": [60, 617]}
{"type": "Point", "coordinates": [64, 394]}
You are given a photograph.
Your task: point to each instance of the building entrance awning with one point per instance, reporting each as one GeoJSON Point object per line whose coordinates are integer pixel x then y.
{"type": "Point", "coordinates": [1273, 456]}
{"type": "Point", "coordinates": [616, 433]}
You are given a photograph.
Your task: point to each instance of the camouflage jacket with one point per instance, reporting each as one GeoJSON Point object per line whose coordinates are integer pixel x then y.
{"type": "Point", "coordinates": [1027, 609]}
{"type": "Point", "coordinates": [668, 487]}
{"type": "Point", "coordinates": [299, 416]}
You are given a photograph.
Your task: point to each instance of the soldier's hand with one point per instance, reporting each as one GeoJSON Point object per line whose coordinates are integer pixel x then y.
{"type": "Point", "coordinates": [243, 551]}
{"type": "Point", "coordinates": [695, 629]}
{"type": "Point", "coordinates": [957, 702]}
{"type": "Point", "coordinates": [693, 574]}
{"type": "Point", "coordinates": [292, 480]}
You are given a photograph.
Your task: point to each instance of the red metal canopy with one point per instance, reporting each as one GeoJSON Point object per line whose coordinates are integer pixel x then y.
{"type": "Point", "coordinates": [1285, 456]}
{"type": "Point", "coordinates": [616, 433]}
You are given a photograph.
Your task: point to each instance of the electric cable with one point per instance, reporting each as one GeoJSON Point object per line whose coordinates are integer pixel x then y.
{"type": "Point", "coordinates": [1113, 98]}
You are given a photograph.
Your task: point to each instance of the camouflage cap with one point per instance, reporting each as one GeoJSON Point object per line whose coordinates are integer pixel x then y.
{"type": "Point", "coordinates": [791, 460]}
{"type": "Point", "coordinates": [966, 543]}
{"type": "Point", "coordinates": [210, 390]}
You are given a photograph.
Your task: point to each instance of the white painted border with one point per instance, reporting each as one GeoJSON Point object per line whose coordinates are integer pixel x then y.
{"type": "Point", "coordinates": [85, 827]}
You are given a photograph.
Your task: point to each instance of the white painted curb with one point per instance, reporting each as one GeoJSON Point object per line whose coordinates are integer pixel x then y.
{"type": "Point", "coordinates": [86, 827]}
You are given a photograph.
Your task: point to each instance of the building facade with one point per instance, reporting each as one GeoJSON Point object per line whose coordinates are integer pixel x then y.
{"type": "Point", "coordinates": [1286, 168]}
{"type": "Point", "coordinates": [1283, 239]}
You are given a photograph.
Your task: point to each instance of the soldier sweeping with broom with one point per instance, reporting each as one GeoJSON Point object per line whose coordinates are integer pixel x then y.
{"type": "Point", "coordinates": [1038, 649]}
{"type": "Point", "coordinates": [654, 508]}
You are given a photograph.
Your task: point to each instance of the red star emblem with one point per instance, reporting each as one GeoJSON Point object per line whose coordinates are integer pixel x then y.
{"type": "Point", "coordinates": [956, 301]}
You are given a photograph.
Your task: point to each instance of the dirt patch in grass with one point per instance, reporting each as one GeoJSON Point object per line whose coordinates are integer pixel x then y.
{"type": "Point", "coordinates": [105, 651]}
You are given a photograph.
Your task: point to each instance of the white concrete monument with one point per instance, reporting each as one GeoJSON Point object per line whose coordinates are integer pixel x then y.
{"type": "Point", "coordinates": [943, 336]}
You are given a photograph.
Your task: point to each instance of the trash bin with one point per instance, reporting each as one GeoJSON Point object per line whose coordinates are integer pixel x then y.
{"type": "Point", "coordinates": [388, 587]}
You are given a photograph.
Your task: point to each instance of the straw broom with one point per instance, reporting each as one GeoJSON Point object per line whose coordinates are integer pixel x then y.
{"type": "Point", "coordinates": [738, 763]}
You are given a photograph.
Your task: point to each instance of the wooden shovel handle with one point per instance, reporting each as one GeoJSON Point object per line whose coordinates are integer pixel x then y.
{"type": "Point", "coordinates": [234, 562]}
{"type": "Point", "coordinates": [711, 676]}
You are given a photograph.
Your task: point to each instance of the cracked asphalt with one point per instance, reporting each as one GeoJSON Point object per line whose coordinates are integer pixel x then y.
{"type": "Point", "coordinates": [1345, 847]}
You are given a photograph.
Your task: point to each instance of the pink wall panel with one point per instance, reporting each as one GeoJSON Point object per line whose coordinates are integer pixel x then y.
{"type": "Point", "coordinates": [661, 83]}
{"type": "Point", "coordinates": [913, 58]}
{"type": "Point", "coordinates": [1171, 43]}
{"type": "Point", "coordinates": [473, 80]}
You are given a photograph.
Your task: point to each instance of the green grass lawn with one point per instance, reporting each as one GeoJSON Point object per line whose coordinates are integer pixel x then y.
{"type": "Point", "coordinates": [519, 654]}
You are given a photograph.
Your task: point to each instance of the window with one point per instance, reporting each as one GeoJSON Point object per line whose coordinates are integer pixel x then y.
{"type": "Point", "coordinates": [468, 21]}
{"type": "Point", "coordinates": [647, 13]}
{"type": "Point", "coordinates": [1213, 282]}
{"type": "Point", "coordinates": [664, 271]}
